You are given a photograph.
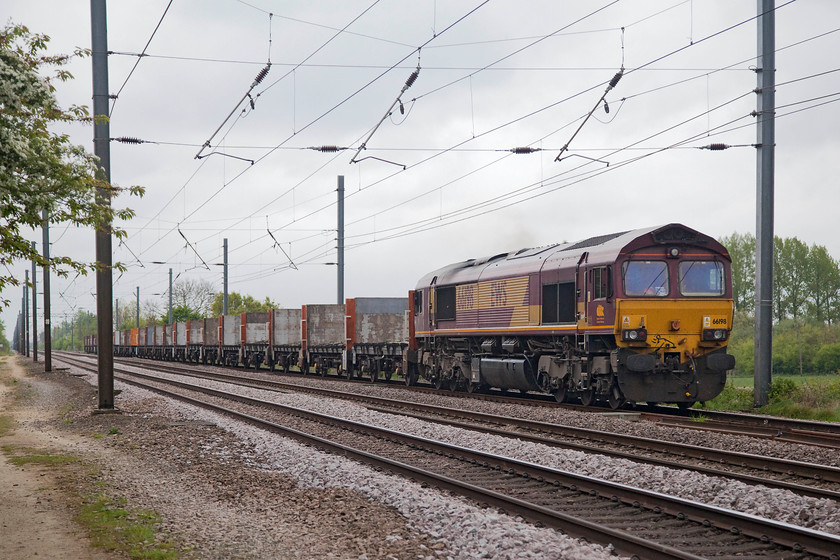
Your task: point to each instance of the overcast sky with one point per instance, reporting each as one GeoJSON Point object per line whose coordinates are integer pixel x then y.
{"type": "Point", "coordinates": [437, 182]}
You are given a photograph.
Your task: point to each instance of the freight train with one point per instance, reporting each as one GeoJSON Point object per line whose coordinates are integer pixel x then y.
{"type": "Point", "coordinates": [636, 316]}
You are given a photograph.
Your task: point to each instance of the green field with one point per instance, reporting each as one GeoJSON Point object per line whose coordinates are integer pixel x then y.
{"type": "Point", "coordinates": [813, 397]}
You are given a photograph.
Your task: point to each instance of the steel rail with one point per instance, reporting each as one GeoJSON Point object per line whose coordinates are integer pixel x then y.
{"type": "Point", "coordinates": [737, 459]}
{"type": "Point", "coordinates": [795, 538]}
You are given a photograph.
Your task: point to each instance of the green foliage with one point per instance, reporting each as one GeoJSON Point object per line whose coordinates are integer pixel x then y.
{"type": "Point", "coordinates": [39, 169]}
{"type": "Point", "coordinates": [806, 306]}
{"type": "Point", "coordinates": [113, 527]}
{"type": "Point", "coordinates": [783, 388]}
{"type": "Point", "coordinates": [806, 397]}
{"type": "Point", "coordinates": [827, 358]}
{"type": "Point", "coordinates": [238, 303]}
{"type": "Point", "coordinates": [70, 335]}
{"type": "Point", "coordinates": [181, 313]}
{"type": "Point", "coordinates": [732, 398]}
{"type": "Point", "coordinates": [5, 347]}
{"type": "Point", "coordinates": [741, 249]}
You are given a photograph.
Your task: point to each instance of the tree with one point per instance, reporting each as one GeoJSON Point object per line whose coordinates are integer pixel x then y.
{"type": "Point", "coordinates": [195, 295]}
{"type": "Point", "coordinates": [741, 249]}
{"type": "Point", "coordinates": [823, 283]}
{"type": "Point", "coordinates": [238, 303]}
{"type": "Point", "coordinates": [4, 344]}
{"type": "Point", "coordinates": [39, 169]}
{"type": "Point", "coordinates": [181, 313]}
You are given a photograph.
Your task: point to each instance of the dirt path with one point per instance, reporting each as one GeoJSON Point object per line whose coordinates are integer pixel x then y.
{"type": "Point", "coordinates": [35, 518]}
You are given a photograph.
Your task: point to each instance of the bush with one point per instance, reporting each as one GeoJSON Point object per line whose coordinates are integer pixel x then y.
{"type": "Point", "coordinates": [827, 358]}
{"type": "Point", "coordinates": [783, 388]}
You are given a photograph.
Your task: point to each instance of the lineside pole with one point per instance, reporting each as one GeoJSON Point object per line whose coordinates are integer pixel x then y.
{"type": "Point", "coordinates": [45, 230]}
{"type": "Point", "coordinates": [766, 132]}
{"type": "Point", "coordinates": [340, 239]}
{"type": "Point", "coordinates": [102, 149]}
{"type": "Point", "coordinates": [34, 308]}
{"type": "Point", "coordinates": [26, 312]}
{"type": "Point", "coordinates": [225, 279]}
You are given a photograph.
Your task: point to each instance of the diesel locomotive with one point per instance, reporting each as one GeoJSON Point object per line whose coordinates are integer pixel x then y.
{"type": "Point", "coordinates": [630, 317]}
{"type": "Point", "coordinates": [638, 316]}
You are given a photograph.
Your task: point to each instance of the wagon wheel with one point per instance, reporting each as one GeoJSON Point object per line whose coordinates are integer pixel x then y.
{"type": "Point", "coordinates": [587, 396]}
{"type": "Point", "coordinates": [389, 373]}
{"type": "Point", "coordinates": [616, 400]}
{"type": "Point", "coordinates": [440, 382]}
{"type": "Point", "coordinates": [411, 377]}
{"type": "Point", "coordinates": [375, 366]}
{"type": "Point", "coordinates": [562, 392]}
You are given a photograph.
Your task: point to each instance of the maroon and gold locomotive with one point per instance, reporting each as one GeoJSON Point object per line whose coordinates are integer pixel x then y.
{"type": "Point", "coordinates": [637, 316]}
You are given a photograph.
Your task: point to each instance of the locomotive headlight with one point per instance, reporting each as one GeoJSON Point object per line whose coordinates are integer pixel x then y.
{"type": "Point", "coordinates": [716, 335]}
{"type": "Point", "coordinates": [634, 335]}
{"type": "Point", "coordinates": [674, 252]}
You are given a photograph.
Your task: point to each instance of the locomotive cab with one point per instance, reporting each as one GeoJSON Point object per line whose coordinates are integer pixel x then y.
{"type": "Point", "coordinates": [673, 319]}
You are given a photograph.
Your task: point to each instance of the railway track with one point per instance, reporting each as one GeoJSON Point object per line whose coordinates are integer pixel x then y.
{"type": "Point", "coordinates": [802, 478]}
{"type": "Point", "coordinates": [636, 522]}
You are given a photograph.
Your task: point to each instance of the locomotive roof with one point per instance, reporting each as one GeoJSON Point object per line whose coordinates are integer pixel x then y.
{"type": "Point", "coordinates": [601, 249]}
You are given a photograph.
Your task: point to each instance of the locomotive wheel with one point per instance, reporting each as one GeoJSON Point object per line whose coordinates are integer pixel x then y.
{"type": "Point", "coordinates": [616, 400]}
{"type": "Point", "coordinates": [561, 393]}
{"type": "Point", "coordinates": [683, 406]}
{"type": "Point", "coordinates": [587, 396]}
{"type": "Point", "coordinates": [475, 387]}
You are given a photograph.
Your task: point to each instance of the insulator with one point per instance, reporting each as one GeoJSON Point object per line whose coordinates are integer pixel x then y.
{"type": "Point", "coordinates": [524, 150]}
{"type": "Point", "coordinates": [615, 79]}
{"type": "Point", "coordinates": [411, 79]}
{"type": "Point", "coordinates": [128, 140]}
{"type": "Point", "coordinates": [261, 76]}
{"type": "Point", "coordinates": [327, 149]}
{"type": "Point", "coordinates": [717, 146]}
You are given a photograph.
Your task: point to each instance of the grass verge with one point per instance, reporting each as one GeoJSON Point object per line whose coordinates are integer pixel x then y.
{"type": "Point", "coordinates": [807, 398]}
{"type": "Point", "coordinates": [109, 522]}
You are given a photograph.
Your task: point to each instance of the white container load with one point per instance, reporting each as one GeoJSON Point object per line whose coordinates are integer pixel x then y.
{"type": "Point", "coordinates": [231, 339]}
{"type": "Point", "coordinates": [180, 333]}
{"type": "Point", "coordinates": [377, 320]}
{"type": "Point", "coordinates": [322, 337]}
{"type": "Point", "coordinates": [160, 341]}
{"type": "Point", "coordinates": [159, 332]}
{"type": "Point", "coordinates": [195, 330]}
{"type": "Point", "coordinates": [117, 338]}
{"type": "Point", "coordinates": [211, 331]}
{"type": "Point", "coordinates": [194, 334]}
{"type": "Point", "coordinates": [231, 330]}
{"type": "Point", "coordinates": [254, 328]}
{"type": "Point", "coordinates": [210, 351]}
{"type": "Point", "coordinates": [284, 327]}
{"type": "Point", "coordinates": [377, 336]}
